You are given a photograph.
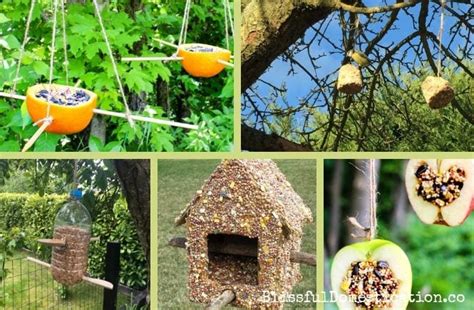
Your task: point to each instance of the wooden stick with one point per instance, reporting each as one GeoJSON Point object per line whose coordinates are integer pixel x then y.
{"type": "Point", "coordinates": [225, 63]}
{"type": "Point", "coordinates": [95, 239]}
{"type": "Point", "coordinates": [12, 96]}
{"type": "Point", "coordinates": [39, 262]}
{"type": "Point", "coordinates": [245, 250]}
{"type": "Point", "coordinates": [171, 58]}
{"type": "Point", "coordinates": [146, 119]}
{"type": "Point", "coordinates": [99, 282]}
{"type": "Point", "coordinates": [53, 242]}
{"type": "Point", "coordinates": [223, 300]}
{"type": "Point", "coordinates": [36, 136]}
{"type": "Point", "coordinates": [166, 43]}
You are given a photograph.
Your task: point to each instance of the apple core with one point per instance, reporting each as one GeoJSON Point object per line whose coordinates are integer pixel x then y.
{"type": "Point", "coordinates": [370, 284]}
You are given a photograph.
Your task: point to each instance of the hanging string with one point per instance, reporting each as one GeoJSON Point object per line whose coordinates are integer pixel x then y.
{"type": "Point", "coordinates": [231, 19]}
{"type": "Point", "coordinates": [373, 199]}
{"type": "Point", "coordinates": [66, 61]}
{"type": "Point", "coordinates": [184, 26]}
{"type": "Point", "coordinates": [48, 119]}
{"type": "Point", "coordinates": [226, 25]}
{"type": "Point", "coordinates": [440, 36]}
{"type": "Point", "coordinates": [23, 45]}
{"type": "Point", "coordinates": [75, 178]}
{"type": "Point", "coordinates": [114, 65]}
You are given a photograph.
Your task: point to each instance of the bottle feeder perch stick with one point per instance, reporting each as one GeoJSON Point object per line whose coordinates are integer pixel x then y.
{"type": "Point", "coordinates": [244, 227]}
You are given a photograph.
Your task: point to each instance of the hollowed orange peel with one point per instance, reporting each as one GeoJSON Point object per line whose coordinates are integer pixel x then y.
{"type": "Point", "coordinates": [66, 119]}
{"type": "Point", "coordinates": [203, 64]}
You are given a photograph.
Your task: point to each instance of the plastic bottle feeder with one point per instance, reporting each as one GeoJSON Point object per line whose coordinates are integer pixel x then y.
{"type": "Point", "coordinates": [71, 108]}
{"type": "Point", "coordinates": [202, 60]}
{"type": "Point", "coordinates": [71, 238]}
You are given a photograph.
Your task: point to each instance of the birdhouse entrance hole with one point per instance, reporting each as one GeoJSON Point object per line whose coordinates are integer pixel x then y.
{"type": "Point", "coordinates": [240, 266]}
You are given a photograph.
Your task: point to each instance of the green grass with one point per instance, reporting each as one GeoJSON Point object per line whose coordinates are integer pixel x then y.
{"type": "Point", "coordinates": [178, 181]}
{"type": "Point", "coordinates": [30, 286]}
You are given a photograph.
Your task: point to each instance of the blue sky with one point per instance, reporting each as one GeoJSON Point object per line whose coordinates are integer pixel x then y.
{"type": "Point", "coordinates": [299, 84]}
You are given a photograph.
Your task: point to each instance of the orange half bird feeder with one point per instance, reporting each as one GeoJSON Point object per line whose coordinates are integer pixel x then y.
{"type": "Point", "coordinates": [64, 109]}
{"type": "Point", "coordinates": [197, 59]}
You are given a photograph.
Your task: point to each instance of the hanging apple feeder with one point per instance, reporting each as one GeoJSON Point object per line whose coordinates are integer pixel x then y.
{"type": "Point", "coordinates": [70, 243]}
{"type": "Point", "coordinates": [441, 191]}
{"type": "Point", "coordinates": [349, 80]}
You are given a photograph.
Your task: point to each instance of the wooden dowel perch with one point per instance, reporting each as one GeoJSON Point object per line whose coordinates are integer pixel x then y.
{"type": "Point", "coordinates": [166, 43]}
{"type": "Point", "coordinates": [244, 250]}
{"type": "Point", "coordinates": [52, 242]}
{"type": "Point", "coordinates": [223, 300]}
{"type": "Point", "coordinates": [98, 282]}
{"type": "Point", "coordinates": [37, 134]}
{"type": "Point", "coordinates": [110, 113]}
{"type": "Point", "coordinates": [170, 58]}
{"type": "Point", "coordinates": [225, 63]}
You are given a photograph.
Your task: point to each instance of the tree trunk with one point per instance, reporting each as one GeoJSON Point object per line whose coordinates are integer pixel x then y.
{"type": "Point", "coordinates": [258, 141]}
{"type": "Point", "coordinates": [269, 27]}
{"type": "Point", "coordinates": [135, 180]}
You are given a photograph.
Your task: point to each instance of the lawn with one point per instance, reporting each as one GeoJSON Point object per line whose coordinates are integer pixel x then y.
{"type": "Point", "coordinates": [30, 286]}
{"type": "Point", "coordinates": [178, 181]}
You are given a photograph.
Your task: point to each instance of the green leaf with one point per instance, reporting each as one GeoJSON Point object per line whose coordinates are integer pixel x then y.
{"type": "Point", "coordinates": [95, 145]}
{"type": "Point", "coordinates": [47, 142]}
{"type": "Point", "coordinates": [41, 68]}
{"type": "Point", "coordinates": [3, 18]}
{"type": "Point", "coordinates": [10, 146]}
{"type": "Point", "coordinates": [25, 115]}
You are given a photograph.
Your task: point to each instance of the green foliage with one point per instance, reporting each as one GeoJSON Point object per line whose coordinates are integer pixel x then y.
{"type": "Point", "coordinates": [116, 224]}
{"type": "Point", "coordinates": [9, 241]}
{"type": "Point", "coordinates": [207, 102]}
{"type": "Point", "coordinates": [35, 215]}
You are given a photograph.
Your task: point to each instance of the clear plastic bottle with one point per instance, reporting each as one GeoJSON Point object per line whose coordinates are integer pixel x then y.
{"type": "Point", "coordinates": [72, 225]}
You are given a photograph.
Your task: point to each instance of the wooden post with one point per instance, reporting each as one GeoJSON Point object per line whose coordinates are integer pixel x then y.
{"type": "Point", "coordinates": [112, 275]}
{"type": "Point", "coordinates": [244, 250]}
{"type": "Point", "coordinates": [220, 302]}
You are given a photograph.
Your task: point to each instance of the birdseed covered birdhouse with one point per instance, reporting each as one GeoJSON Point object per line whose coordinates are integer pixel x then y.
{"type": "Point", "coordinates": [349, 80]}
{"type": "Point", "coordinates": [437, 91]}
{"type": "Point", "coordinates": [72, 226]}
{"type": "Point", "coordinates": [246, 207]}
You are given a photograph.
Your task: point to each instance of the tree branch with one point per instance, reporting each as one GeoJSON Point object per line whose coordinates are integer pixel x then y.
{"type": "Point", "coordinates": [258, 141]}
{"type": "Point", "coordinates": [376, 9]}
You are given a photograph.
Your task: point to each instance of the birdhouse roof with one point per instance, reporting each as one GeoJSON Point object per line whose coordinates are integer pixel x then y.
{"type": "Point", "coordinates": [266, 183]}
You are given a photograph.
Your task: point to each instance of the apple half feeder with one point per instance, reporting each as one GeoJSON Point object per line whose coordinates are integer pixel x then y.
{"type": "Point", "coordinates": [202, 60]}
{"type": "Point", "coordinates": [70, 243]}
{"type": "Point", "coordinates": [441, 191]}
{"type": "Point", "coordinates": [373, 274]}
{"type": "Point", "coordinates": [71, 108]}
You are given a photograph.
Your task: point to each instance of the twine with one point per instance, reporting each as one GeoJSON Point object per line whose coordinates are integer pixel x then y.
{"type": "Point", "coordinates": [66, 61]}
{"type": "Point", "coordinates": [440, 36]}
{"type": "Point", "coordinates": [114, 65]}
{"type": "Point", "coordinates": [23, 44]}
{"type": "Point", "coordinates": [369, 232]}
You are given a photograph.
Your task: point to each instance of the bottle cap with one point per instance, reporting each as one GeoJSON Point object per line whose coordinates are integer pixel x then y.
{"type": "Point", "coordinates": [76, 193]}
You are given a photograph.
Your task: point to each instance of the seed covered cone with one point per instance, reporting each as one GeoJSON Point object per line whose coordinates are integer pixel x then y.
{"type": "Point", "coordinates": [249, 198]}
{"type": "Point", "coordinates": [437, 91]}
{"type": "Point", "coordinates": [377, 250]}
{"type": "Point", "coordinates": [454, 213]}
{"type": "Point", "coordinates": [69, 263]}
{"type": "Point", "coordinates": [349, 80]}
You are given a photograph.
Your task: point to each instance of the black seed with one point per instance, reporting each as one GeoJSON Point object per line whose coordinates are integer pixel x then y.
{"type": "Point", "coordinates": [459, 184]}
{"type": "Point", "coordinates": [421, 170]}
{"type": "Point", "coordinates": [382, 264]}
{"type": "Point", "coordinates": [355, 270]}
